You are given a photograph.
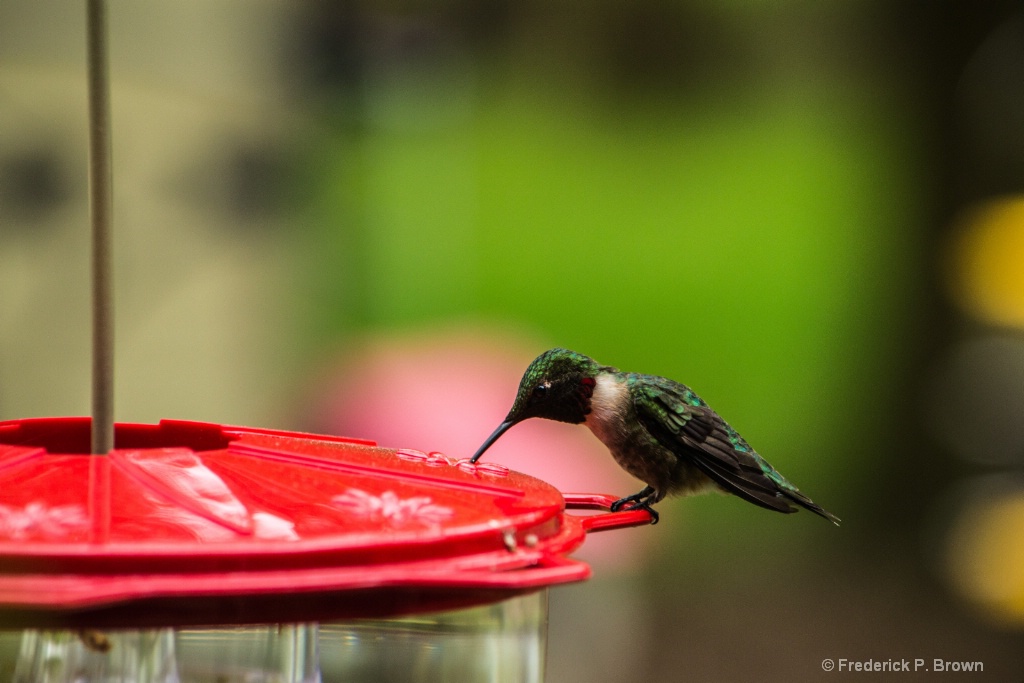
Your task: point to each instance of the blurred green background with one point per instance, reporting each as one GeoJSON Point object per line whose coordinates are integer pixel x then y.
{"type": "Point", "coordinates": [809, 212]}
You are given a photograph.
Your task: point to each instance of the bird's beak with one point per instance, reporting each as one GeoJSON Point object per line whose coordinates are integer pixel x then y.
{"type": "Point", "coordinates": [502, 428]}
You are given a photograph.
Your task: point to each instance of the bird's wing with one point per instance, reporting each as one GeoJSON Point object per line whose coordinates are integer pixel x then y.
{"type": "Point", "coordinates": [681, 422]}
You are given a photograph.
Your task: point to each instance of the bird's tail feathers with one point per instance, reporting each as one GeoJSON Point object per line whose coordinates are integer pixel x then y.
{"type": "Point", "coordinates": [803, 501]}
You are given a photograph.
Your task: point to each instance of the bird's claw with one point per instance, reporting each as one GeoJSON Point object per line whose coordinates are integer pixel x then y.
{"type": "Point", "coordinates": [637, 501]}
{"type": "Point", "coordinates": [617, 505]}
{"type": "Point", "coordinates": [646, 506]}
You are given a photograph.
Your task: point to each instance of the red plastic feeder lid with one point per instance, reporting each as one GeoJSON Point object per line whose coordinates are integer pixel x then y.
{"type": "Point", "coordinates": [199, 523]}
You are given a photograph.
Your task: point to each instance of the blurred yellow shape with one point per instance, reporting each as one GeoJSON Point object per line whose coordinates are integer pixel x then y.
{"type": "Point", "coordinates": [986, 556]}
{"type": "Point", "coordinates": [988, 262]}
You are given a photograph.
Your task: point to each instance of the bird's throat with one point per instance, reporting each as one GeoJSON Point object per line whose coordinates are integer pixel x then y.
{"type": "Point", "coordinates": [608, 407]}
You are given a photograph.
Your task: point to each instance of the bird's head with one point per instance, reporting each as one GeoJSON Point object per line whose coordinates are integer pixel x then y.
{"type": "Point", "coordinates": [558, 385]}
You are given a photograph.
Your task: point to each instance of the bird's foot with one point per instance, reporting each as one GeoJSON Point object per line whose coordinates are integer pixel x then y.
{"type": "Point", "coordinates": [638, 501]}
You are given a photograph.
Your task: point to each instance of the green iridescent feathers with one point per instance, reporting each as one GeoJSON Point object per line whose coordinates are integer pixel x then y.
{"type": "Point", "coordinates": [554, 362]}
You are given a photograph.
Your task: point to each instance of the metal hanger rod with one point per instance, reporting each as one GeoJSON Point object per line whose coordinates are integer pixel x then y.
{"type": "Point", "coordinates": [100, 210]}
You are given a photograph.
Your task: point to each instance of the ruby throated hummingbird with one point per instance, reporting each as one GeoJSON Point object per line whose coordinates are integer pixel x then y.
{"type": "Point", "coordinates": [657, 429]}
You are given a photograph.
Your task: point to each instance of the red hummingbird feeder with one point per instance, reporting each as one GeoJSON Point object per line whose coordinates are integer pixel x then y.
{"type": "Point", "coordinates": [193, 551]}
{"type": "Point", "coordinates": [191, 524]}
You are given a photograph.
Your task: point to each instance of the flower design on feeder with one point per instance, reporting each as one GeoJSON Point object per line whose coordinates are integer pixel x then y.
{"type": "Point", "coordinates": [389, 507]}
{"type": "Point", "coordinates": [36, 519]}
{"type": "Point", "coordinates": [438, 459]}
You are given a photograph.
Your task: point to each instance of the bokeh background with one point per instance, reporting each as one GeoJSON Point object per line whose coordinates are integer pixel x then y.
{"type": "Point", "coordinates": [368, 217]}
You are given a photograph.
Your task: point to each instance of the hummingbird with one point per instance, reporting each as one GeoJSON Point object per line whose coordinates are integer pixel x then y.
{"type": "Point", "coordinates": [658, 430]}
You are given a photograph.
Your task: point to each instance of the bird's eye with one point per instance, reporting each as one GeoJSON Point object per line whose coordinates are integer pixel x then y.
{"type": "Point", "coordinates": [540, 390]}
